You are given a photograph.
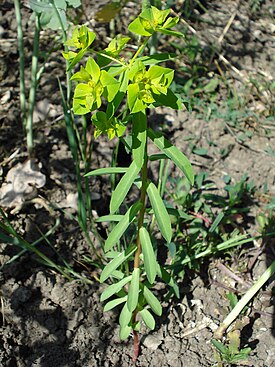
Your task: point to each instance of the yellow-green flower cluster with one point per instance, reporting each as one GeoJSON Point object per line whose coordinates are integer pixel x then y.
{"type": "Point", "coordinates": [97, 83]}
{"type": "Point", "coordinates": [147, 85]}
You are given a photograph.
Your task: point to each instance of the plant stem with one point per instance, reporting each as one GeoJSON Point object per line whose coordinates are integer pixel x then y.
{"type": "Point", "coordinates": [136, 346]}
{"type": "Point", "coordinates": [29, 122]}
{"type": "Point", "coordinates": [140, 49]}
{"type": "Point", "coordinates": [143, 196]}
{"type": "Point", "coordinates": [21, 60]}
{"type": "Point", "coordinates": [64, 36]}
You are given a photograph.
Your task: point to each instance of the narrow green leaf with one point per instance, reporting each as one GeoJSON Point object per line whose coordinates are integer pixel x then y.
{"type": "Point", "coordinates": [168, 279]}
{"type": "Point", "coordinates": [173, 153]}
{"type": "Point", "coordinates": [116, 262]}
{"type": "Point", "coordinates": [148, 319]}
{"type": "Point", "coordinates": [76, 59]}
{"type": "Point", "coordinates": [216, 222]}
{"type": "Point", "coordinates": [112, 254]}
{"type": "Point", "coordinates": [125, 316]}
{"type": "Point", "coordinates": [106, 171]}
{"type": "Point", "coordinates": [218, 345]}
{"type": "Point", "coordinates": [157, 58]}
{"type": "Point", "coordinates": [123, 187]}
{"type": "Point", "coordinates": [122, 225]}
{"type": "Point", "coordinates": [171, 33]}
{"type": "Point", "coordinates": [160, 212]}
{"type": "Point", "coordinates": [109, 218]}
{"type": "Point", "coordinates": [152, 301]}
{"type": "Point", "coordinates": [139, 137]}
{"type": "Point", "coordinates": [150, 263]}
{"type": "Point", "coordinates": [117, 274]}
{"type": "Point", "coordinates": [125, 332]}
{"type": "Point", "coordinates": [132, 300]}
{"type": "Point", "coordinates": [114, 288]}
{"type": "Point", "coordinates": [200, 151]}
{"type": "Point", "coordinates": [136, 326]}
{"type": "Point", "coordinates": [115, 302]}
{"type": "Point", "coordinates": [156, 157]}
{"type": "Point", "coordinates": [179, 214]}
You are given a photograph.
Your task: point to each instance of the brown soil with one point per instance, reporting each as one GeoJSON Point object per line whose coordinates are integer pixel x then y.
{"type": "Point", "coordinates": [49, 321]}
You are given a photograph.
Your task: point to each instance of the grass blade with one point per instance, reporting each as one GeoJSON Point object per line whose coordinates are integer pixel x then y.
{"type": "Point", "coordinates": [106, 171]}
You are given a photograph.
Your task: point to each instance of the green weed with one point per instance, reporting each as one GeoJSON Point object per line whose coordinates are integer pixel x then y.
{"type": "Point", "coordinates": [47, 14]}
{"type": "Point", "coordinates": [130, 87]}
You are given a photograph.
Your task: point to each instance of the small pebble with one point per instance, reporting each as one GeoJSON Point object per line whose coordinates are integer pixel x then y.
{"type": "Point", "coordinates": [152, 342]}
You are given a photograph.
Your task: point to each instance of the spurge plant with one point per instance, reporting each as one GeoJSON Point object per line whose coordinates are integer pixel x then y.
{"type": "Point", "coordinates": [130, 87]}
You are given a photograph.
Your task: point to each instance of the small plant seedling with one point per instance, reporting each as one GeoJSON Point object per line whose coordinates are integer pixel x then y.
{"type": "Point", "coordinates": [231, 353]}
{"type": "Point", "coordinates": [202, 218]}
{"type": "Point", "coordinates": [118, 93]}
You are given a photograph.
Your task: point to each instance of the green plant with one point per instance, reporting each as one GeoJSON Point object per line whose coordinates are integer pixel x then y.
{"type": "Point", "coordinates": [255, 5]}
{"type": "Point", "coordinates": [231, 353]}
{"type": "Point", "coordinates": [47, 13]}
{"type": "Point", "coordinates": [266, 219]}
{"type": "Point", "coordinates": [133, 265]}
{"type": "Point", "coordinates": [52, 14]}
{"type": "Point", "coordinates": [10, 236]}
{"type": "Point", "coordinates": [205, 223]}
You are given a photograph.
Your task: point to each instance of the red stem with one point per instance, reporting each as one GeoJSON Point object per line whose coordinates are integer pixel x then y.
{"type": "Point", "coordinates": [200, 216]}
{"type": "Point", "coordinates": [136, 346]}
